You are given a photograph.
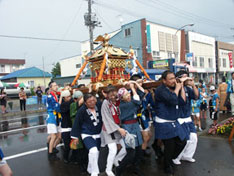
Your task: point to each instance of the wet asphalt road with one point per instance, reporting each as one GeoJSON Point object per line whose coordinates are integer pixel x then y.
{"type": "Point", "coordinates": [214, 155]}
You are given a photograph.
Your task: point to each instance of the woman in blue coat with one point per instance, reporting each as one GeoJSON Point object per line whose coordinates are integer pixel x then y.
{"type": "Point", "coordinates": [128, 116]}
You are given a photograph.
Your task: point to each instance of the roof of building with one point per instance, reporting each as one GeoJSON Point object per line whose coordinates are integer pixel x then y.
{"type": "Point", "coordinates": [32, 72]}
{"type": "Point", "coordinates": [12, 61]}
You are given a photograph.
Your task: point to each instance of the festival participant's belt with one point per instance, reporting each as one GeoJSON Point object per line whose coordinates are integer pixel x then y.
{"type": "Point", "coordinates": [160, 120]}
{"type": "Point", "coordinates": [126, 122]}
{"type": "Point", "coordinates": [184, 120]}
{"type": "Point", "coordinates": [58, 114]}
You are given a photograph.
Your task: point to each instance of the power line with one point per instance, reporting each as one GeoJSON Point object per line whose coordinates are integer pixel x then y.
{"type": "Point", "coordinates": [66, 32]}
{"type": "Point", "coordinates": [39, 38]}
{"type": "Point", "coordinates": [182, 13]}
{"type": "Point", "coordinates": [189, 13]}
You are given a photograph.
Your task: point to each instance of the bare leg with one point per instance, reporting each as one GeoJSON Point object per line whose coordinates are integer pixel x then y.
{"type": "Point", "coordinates": [52, 142]}
{"type": "Point", "coordinates": [204, 114]}
{"type": "Point", "coordinates": [200, 115]}
{"type": "Point", "coordinates": [3, 109]}
{"type": "Point", "coordinates": [195, 120]}
{"type": "Point", "coordinates": [5, 170]}
{"type": "Point", "coordinates": [58, 139]}
{"type": "Point", "coordinates": [48, 139]}
{"type": "Point", "coordinates": [146, 138]}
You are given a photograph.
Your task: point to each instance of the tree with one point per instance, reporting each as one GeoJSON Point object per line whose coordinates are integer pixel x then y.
{"type": "Point", "coordinates": [56, 71]}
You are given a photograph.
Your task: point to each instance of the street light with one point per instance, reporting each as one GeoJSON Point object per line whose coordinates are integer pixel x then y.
{"type": "Point", "coordinates": [191, 24]}
{"type": "Point", "coordinates": [182, 43]}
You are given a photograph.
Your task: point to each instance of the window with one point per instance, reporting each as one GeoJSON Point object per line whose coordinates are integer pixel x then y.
{"type": "Point", "coordinates": [195, 62]}
{"type": "Point", "coordinates": [176, 55]}
{"type": "Point", "coordinates": [11, 68]}
{"type": "Point", "coordinates": [135, 52]}
{"type": "Point", "coordinates": [3, 68]}
{"type": "Point", "coordinates": [156, 53]}
{"type": "Point", "coordinates": [169, 54]}
{"type": "Point", "coordinates": [127, 32]}
{"type": "Point", "coordinates": [210, 62]}
{"type": "Point", "coordinates": [78, 65]}
{"type": "Point", "coordinates": [201, 61]}
{"type": "Point", "coordinates": [224, 63]}
{"type": "Point", "coordinates": [161, 41]}
{"type": "Point", "coordinates": [219, 62]}
{"type": "Point", "coordinates": [31, 83]}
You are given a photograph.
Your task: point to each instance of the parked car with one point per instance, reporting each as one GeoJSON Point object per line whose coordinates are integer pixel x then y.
{"type": "Point", "coordinates": [13, 92]}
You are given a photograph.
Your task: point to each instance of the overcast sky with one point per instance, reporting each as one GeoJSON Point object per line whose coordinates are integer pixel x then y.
{"type": "Point", "coordinates": [63, 19]}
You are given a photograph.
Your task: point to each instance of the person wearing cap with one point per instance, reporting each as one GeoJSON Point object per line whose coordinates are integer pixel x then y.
{"type": "Point", "coordinates": [230, 91]}
{"type": "Point", "coordinates": [128, 116]}
{"type": "Point", "coordinates": [188, 93]}
{"type": "Point", "coordinates": [167, 128]}
{"type": "Point", "coordinates": [66, 123]}
{"type": "Point", "coordinates": [88, 126]}
{"type": "Point", "coordinates": [78, 102]}
{"type": "Point", "coordinates": [112, 133]}
{"type": "Point", "coordinates": [53, 110]}
{"type": "Point", "coordinates": [214, 105]}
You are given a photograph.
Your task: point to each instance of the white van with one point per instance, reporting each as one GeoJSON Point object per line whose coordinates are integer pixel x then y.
{"type": "Point", "coordinates": [13, 91]}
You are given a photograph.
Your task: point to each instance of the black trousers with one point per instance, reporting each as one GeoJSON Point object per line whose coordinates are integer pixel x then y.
{"type": "Point", "coordinates": [79, 155]}
{"type": "Point", "coordinates": [22, 105]}
{"type": "Point", "coordinates": [133, 157]}
{"type": "Point", "coordinates": [66, 140]}
{"type": "Point", "coordinates": [172, 148]}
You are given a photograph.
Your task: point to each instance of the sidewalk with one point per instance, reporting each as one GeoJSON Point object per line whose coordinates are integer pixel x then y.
{"type": "Point", "coordinates": [15, 111]}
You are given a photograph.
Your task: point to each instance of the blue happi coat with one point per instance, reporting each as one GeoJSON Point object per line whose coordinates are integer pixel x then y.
{"type": "Point", "coordinates": [167, 108]}
{"type": "Point", "coordinates": [185, 108]}
{"type": "Point", "coordinates": [147, 109]}
{"type": "Point", "coordinates": [53, 109]}
{"type": "Point", "coordinates": [128, 111]}
{"type": "Point", "coordinates": [230, 87]}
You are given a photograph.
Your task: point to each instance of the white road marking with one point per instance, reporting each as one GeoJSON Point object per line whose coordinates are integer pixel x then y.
{"type": "Point", "coordinates": [28, 153]}
{"type": "Point", "coordinates": [21, 129]}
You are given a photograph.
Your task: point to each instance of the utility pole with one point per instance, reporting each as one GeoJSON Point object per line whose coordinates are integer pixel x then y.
{"type": "Point", "coordinates": [44, 72]}
{"type": "Point", "coordinates": [91, 22]}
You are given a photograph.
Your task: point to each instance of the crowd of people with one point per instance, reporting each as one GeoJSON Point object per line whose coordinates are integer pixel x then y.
{"type": "Point", "coordinates": [124, 120]}
{"type": "Point", "coordinates": [127, 120]}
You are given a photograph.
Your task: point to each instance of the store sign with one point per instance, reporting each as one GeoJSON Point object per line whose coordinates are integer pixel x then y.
{"type": "Point", "coordinates": [148, 36]}
{"type": "Point", "coordinates": [230, 59]}
{"type": "Point", "coordinates": [160, 64]}
{"type": "Point", "coordinates": [189, 57]}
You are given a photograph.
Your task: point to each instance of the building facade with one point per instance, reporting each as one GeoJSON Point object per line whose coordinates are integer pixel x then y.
{"type": "Point", "coordinates": [163, 42]}
{"type": "Point", "coordinates": [202, 49]}
{"type": "Point", "coordinates": [69, 68]}
{"type": "Point", "coordinates": [149, 40]}
{"type": "Point", "coordinates": [225, 53]}
{"type": "Point", "coordinates": [10, 65]}
{"type": "Point", "coordinates": [31, 76]}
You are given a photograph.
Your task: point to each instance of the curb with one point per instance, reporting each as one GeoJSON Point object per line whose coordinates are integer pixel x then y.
{"type": "Point", "coordinates": [22, 113]}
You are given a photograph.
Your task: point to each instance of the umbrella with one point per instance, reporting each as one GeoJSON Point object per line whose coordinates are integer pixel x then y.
{"type": "Point", "coordinates": [19, 85]}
